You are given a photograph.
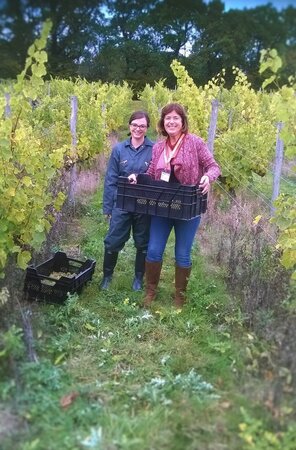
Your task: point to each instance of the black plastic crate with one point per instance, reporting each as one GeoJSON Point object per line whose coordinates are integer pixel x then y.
{"type": "Point", "coordinates": [43, 282]}
{"type": "Point", "coordinates": [159, 198]}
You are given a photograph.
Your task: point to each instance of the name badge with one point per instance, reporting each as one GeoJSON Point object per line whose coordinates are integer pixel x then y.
{"type": "Point", "coordinates": [165, 176]}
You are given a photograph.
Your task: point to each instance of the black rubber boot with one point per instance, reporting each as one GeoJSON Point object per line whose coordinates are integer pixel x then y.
{"type": "Point", "coordinates": [139, 270]}
{"type": "Point", "coordinates": [105, 282]}
{"type": "Point", "coordinates": [110, 260]}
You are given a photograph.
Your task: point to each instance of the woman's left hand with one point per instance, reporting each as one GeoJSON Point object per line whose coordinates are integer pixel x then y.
{"type": "Point", "coordinates": [204, 184]}
{"type": "Point", "coordinates": [132, 178]}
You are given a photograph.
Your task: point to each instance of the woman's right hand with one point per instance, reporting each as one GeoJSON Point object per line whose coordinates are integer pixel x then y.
{"type": "Point", "coordinates": [132, 178]}
{"type": "Point", "coordinates": [204, 184]}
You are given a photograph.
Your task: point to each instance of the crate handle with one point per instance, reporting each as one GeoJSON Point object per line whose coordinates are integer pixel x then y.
{"type": "Point", "coordinates": [48, 282]}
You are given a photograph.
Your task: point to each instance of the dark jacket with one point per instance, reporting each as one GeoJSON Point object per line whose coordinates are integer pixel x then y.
{"type": "Point", "coordinates": [124, 161]}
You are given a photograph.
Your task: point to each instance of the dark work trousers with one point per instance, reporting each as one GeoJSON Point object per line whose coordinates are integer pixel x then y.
{"type": "Point", "coordinates": [122, 223]}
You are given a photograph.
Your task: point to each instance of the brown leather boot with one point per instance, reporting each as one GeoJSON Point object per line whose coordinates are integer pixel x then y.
{"type": "Point", "coordinates": [182, 275]}
{"type": "Point", "coordinates": [152, 275]}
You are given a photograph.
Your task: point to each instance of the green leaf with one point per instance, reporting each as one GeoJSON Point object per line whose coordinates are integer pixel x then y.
{"type": "Point", "coordinates": [39, 227]}
{"type": "Point", "coordinates": [89, 327]}
{"type": "Point", "coordinates": [42, 57]}
{"type": "Point", "coordinates": [289, 258]}
{"type": "Point", "coordinates": [39, 70]}
{"type": "Point", "coordinates": [268, 81]}
{"type": "Point", "coordinates": [59, 201]}
{"type": "Point", "coordinates": [290, 151]}
{"type": "Point", "coordinates": [5, 149]}
{"type": "Point", "coordinates": [3, 258]}
{"type": "Point", "coordinates": [38, 238]}
{"type": "Point", "coordinates": [23, 258]}
{"type": "Point", "coordinates": [31, 50]}
{"type": "Point", "coordinates": [265, 65]}
{"type": "Point", "coordinates": [30, 92]}
{"type": "Point", "coordinates": [59, 358]}
{"type": "Point", "coordinates": [27, 181]}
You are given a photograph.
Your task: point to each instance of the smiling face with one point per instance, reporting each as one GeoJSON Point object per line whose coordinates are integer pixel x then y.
{"type": "Point", "coordinates": [173, 124]}
{"type": "Point", "coordinates": [170, 115]}
{"type": "Point", "coordinates": [138, 128]}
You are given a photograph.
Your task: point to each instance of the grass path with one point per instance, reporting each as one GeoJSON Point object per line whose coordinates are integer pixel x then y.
{"type": "Point", "coordinates": [114, 376]}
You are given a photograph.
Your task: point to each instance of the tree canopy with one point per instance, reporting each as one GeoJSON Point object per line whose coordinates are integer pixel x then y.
{"type": "Point", "coordinates": [136, 40]}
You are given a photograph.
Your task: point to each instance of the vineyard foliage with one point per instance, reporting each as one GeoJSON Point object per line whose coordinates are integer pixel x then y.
{"type": "Point", "coordinates": [284, 105]}
{"type": "Point", "coordinates": [101, 108]}
{"type": "Point", "coordinates": [27, 165]}
{"type": "Point", "coordinates": [154, 98]}
{"type": "Point", "coordinates": [36, 144]}
{"type": "Point", "coordinates": [37, 140]}
{"type": "Point", "coordinates": [246, 131]}
{"type": "Point", "coordinates": [246, 128]}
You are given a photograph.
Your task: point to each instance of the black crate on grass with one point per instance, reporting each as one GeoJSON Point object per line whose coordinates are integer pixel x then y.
{"type": "Point", "coordinates": [42, 282]}
{"type": "Point", "coordinates": [159, 198]}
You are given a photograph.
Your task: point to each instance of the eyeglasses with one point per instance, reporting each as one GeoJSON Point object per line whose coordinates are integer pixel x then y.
{"type": "Point", "coordinates": [135, 125]}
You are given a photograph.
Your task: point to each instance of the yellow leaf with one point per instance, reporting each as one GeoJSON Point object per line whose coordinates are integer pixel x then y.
{"type": "Point", "coordinates": [23, 258]}
{"type": "Point", "coordinates": [11, 192]}
{"type": "Point", "coordinates": [27, 181]}
{"type": "Point", "coordinates": [59, 358]}
{"type": "Point", "coordinates": [249, 439]}
{"type": "Point", "coordinates": [89, 327]}
{"type": "Point", "coordinates": [20, 217]}
{"type": "Point", "coordinates": [257, 219]}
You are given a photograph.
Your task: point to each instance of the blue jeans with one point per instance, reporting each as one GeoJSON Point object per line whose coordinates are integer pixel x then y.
{"type": "Point", "coordinates": [160, 229]}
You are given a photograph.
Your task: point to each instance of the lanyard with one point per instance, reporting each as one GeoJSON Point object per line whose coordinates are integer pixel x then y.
{"type": "Point", "coordinates": [170, 154]}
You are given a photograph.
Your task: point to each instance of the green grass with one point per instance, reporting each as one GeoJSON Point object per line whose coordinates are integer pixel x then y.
{"type": "Point", "coordinates": [137, 379]}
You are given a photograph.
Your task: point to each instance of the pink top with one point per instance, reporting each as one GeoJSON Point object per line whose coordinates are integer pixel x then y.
{"type": "Point", "coordinates": [192, 161]}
